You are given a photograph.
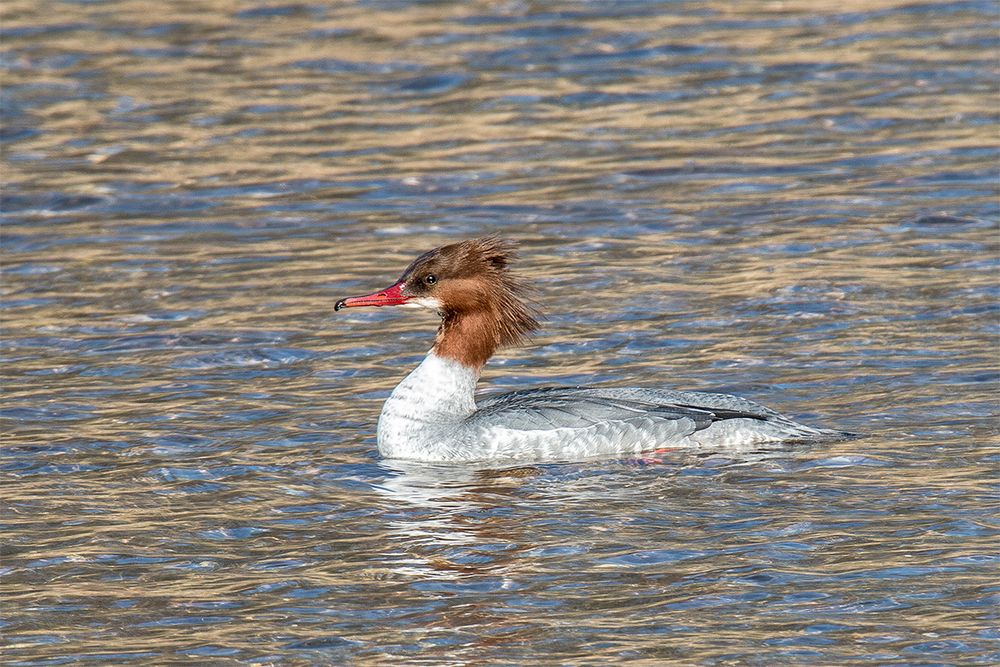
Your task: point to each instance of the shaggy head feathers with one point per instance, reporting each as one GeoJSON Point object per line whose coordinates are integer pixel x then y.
{"type": "Point", "coordinates": [480, 301]}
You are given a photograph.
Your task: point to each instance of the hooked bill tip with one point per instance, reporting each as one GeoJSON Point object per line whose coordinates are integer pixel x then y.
{"type": "Point", "coordinates": [340, 304]}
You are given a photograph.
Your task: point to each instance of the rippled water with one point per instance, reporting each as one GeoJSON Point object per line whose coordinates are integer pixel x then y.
{"type": "Point", "coordinates": [794, 201]}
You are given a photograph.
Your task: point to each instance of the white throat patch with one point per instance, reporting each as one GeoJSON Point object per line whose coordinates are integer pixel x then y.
{"type": "Point", "coordinates": [423, 302]}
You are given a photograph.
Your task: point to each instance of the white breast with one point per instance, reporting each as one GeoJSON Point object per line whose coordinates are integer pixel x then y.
{"type": "Point", "coordinates": [420, 417]}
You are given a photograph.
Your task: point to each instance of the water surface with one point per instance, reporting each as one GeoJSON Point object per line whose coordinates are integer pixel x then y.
{"type": "Point", "coordinates": [796, 202]}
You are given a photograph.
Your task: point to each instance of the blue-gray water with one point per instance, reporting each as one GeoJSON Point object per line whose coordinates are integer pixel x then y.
{"type": "Point", "coordinates": [795, 201]}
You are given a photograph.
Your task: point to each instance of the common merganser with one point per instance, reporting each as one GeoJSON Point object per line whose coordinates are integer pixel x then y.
{"type": "Point", "coordinates": [433, 414]}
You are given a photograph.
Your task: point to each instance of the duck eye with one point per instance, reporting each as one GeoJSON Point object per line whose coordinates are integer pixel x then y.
{"type": "Point", "coordinates": [430, 279]}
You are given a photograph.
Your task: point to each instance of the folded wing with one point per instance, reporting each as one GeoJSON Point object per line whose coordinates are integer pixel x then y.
{"type": "Point", "coordinates": [578, 407]}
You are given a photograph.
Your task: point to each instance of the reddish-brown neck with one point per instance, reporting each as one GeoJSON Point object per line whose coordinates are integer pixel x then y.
{"type": "Point", "coordinates": [468, 338]}
{"type": "Point", "coordinates": [480, 317]}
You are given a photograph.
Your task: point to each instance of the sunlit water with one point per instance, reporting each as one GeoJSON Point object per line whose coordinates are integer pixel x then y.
{"type": "Point", "coordinates": [794, 201]}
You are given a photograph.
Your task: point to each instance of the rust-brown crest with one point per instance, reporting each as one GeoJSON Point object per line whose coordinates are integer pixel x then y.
{"type": "Point", "coordinates": [481, 302]}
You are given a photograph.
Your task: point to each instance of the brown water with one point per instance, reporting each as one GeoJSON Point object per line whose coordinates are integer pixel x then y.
{"type": "Point", "coordinates": [796, 202]}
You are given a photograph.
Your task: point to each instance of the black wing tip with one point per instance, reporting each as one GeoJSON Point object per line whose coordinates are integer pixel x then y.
{"type": "Point", "coordinates": [721, 414]}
